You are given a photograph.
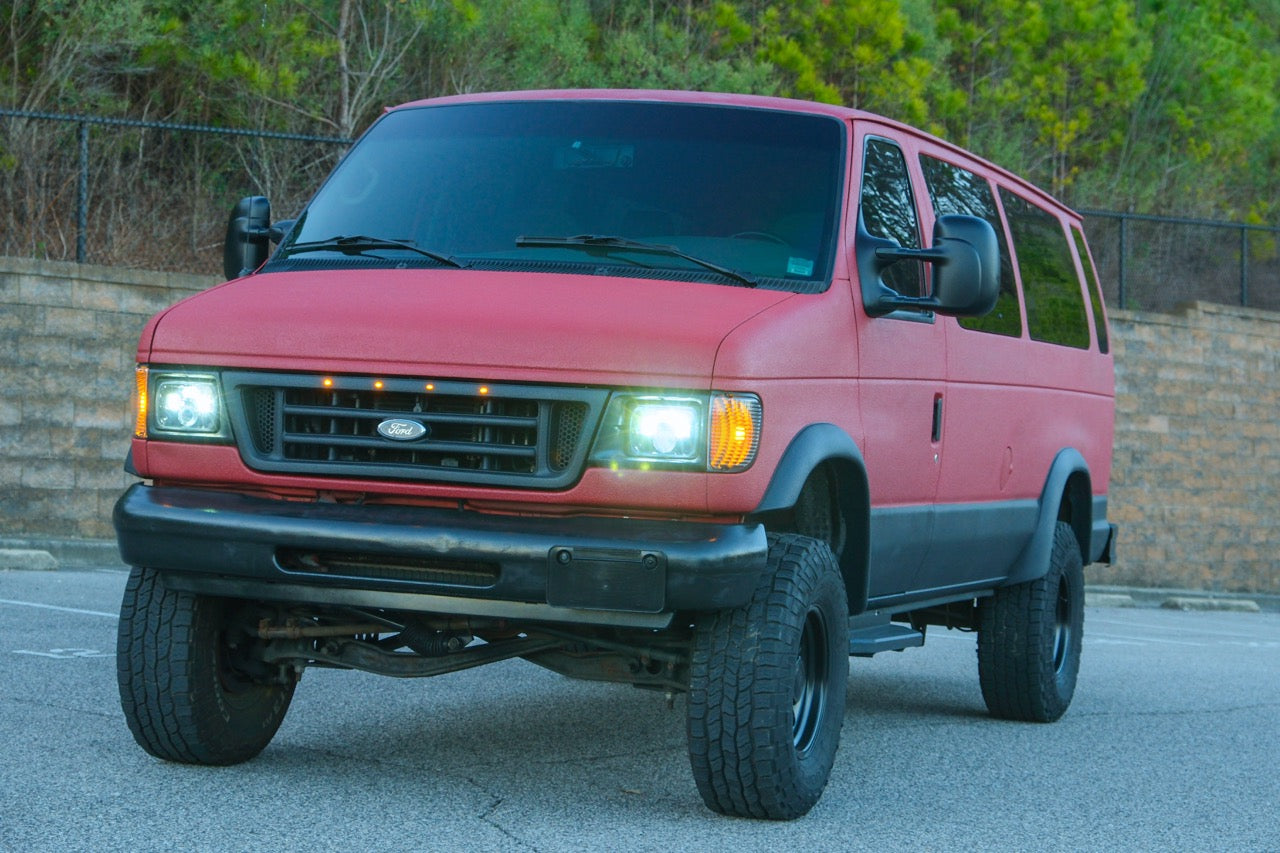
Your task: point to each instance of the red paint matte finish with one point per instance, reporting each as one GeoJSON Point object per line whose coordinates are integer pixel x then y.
{"type": "Point", "coordinates": [462, 324]}
{"type": "Point", "coordinates": [599, 492]}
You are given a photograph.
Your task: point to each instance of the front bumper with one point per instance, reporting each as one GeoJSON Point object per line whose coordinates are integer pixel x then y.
{"type": "Point", "coordinates": [611, 571]}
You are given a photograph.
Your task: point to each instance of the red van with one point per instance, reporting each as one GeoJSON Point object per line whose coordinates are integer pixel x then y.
{"type": "Point", "coordinates": [702, 393]}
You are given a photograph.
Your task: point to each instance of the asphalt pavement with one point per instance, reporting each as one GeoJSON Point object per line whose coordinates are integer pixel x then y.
{"type": "Point", "coordinates": [1172, 743]}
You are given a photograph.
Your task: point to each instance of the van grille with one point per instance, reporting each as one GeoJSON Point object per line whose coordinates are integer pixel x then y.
{"type": "Point", "coordinates": [416, 429]}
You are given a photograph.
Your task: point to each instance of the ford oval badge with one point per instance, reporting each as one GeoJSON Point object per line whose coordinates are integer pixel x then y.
{"type": "Point", "coordinates": [402, 429]}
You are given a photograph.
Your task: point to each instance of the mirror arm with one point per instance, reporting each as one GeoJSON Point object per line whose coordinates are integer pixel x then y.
{"type": "Point", "coordinates": [890, 300]}
{"type": "Point", "coordinates": [888, 254]}
{"type": "Point", "coordinates": [277, 231]}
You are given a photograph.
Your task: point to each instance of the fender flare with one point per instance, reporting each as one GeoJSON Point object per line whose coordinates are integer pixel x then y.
{"type": "Point", "coordinates": [1068, 480]}
{"type": "Point", "coordinates": [815, 445]}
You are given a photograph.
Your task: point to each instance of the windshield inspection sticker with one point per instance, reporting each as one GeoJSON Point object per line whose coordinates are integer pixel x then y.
{"type": "Point", "coordinates": [799, 266]}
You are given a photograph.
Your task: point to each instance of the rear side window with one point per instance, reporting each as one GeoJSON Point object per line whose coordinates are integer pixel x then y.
{"type": "Point", "coordinates": [956, 190]}
{"type": "Point", "coordinates": [1095, 292]}
{"type": "Point", "coordinates": [1055, 301]}
{"type": "Point", "coordinates": [888, 210]}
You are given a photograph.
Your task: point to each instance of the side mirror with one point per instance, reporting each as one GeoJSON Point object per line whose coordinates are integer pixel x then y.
{"type": "Point", "coordinates": [248, 234]}
{"type": "Point", "coordinates": [966, 273]}
{"type": "Point", "coordinates": [967, 282]}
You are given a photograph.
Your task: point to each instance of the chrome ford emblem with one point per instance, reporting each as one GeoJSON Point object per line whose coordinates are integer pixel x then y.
{"type": "Point", "coordinates": [402, 429]}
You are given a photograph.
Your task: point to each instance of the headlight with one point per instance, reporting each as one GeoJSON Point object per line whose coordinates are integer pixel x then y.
{"type": "Point", "coordinates": [664, 430]}
{"type": "Point", "coordinates": [718, 432]}
{"type": "Point", "coordinates": [179, 405]}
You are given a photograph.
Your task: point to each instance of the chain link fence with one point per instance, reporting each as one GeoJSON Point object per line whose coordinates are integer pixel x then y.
{"type": "Point", "coordinates": [1153, 263]}
{"type": "Point", "coordinates": [156, 195]}
{"type": "Point", "coordinates": [142, 194]}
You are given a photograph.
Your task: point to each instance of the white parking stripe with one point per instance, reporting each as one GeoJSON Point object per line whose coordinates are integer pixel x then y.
{"type": "Point", "coordinates": [1106, 636]}
{"type": "Point", "coordinates": [1181, 628]}
{"type": "Point", "coordinates": [62, 609]}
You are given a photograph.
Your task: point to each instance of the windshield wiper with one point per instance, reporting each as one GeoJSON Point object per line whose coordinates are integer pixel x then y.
{"type": "Point", "coordinates": [358, 244]}
{"type": "Point", "coordinates": [604, 244]}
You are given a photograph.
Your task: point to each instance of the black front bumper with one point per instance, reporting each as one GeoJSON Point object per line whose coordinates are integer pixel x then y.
{"type": "Point", "coordinates": [613, 571]}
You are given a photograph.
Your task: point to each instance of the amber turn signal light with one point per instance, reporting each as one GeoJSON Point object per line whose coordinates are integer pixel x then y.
{"type": "Point", "coordinates": [735, 432]}
{"type": "Point", "coordinates": [140, 402]}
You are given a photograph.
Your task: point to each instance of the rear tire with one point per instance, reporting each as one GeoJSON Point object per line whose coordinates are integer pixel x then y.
{"type": "Point", "coordinates": [181, 674]}
{"type": "Point", "coordinates": [767, 687]}
{"type": "Point", "coordinates": [1030, 637]}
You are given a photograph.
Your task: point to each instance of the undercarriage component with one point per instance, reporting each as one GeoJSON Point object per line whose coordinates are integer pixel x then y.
{"type": "Point", "coordinates": [363, 654]}
{"type": "Point", "coordinates": [433, 642]}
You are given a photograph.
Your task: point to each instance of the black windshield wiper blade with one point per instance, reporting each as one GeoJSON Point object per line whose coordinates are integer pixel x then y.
{"type": "Point", "coordinates": [604, 244]}
{"type": "Point", "coordinates": [358, 244]}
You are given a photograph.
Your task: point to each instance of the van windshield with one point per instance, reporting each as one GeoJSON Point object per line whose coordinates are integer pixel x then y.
{"type": "Point", "coordinates": [689, 192]}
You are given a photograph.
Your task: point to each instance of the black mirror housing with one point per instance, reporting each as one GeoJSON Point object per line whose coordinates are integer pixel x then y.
{"type": "Point", "coordinates": [248, 234]}
{"type": "Point", "coordinates": [967, 282]}
{"type": "Point", "coordinates": [966, 272]}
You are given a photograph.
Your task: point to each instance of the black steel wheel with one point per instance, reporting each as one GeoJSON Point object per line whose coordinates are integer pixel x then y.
{"type": "Point", "coordinates": [1030, 636]}
{"type": "Point", "coordinates": [187, 681]}
{"type": "Point", "coordinates": [767, 687]}
{"type": "Point", "coordinates": [813, 666]}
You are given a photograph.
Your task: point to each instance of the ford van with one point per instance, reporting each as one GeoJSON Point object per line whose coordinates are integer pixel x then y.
{"type": "Point", "coordinates": [700, 393]}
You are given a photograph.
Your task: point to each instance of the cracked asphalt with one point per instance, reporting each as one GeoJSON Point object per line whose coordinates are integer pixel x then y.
{"type": "Point", "coordinates": [1172, 743]}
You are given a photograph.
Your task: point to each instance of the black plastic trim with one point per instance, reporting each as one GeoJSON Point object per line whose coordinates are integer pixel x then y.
{"type": "Point", "coordinates": [1102, 548]}
{"type": "Point", "coordinates": [211, 533]}
{"type": "Point", "coordinates": [1033, 562]}
{"type": "Point", "coordinates": [819, 444]}
{"type": "Point", "coordinates": [236, 383]}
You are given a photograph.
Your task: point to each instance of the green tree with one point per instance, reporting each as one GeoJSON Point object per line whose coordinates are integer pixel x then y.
{"type": "Point", "coordinates": [672, 46]}
{"type": "Point", "coordinates": [866, 54]}
{"type": "Point", "coordinates": [73, 54]}
{"type": "Point", "coordinates": [1204, 138]}
{"type": "Point", "coordinates": [1047, 84]}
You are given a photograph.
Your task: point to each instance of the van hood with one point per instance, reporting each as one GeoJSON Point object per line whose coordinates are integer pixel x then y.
{"type": "Point", "coordinates": [463, 323]}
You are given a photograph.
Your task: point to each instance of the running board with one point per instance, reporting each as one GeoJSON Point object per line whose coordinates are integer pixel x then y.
{"type": "Point", "coordinates": [870, 634]}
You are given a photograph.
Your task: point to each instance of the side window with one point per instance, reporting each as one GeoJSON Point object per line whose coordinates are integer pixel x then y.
{"type": "Point", "coordinates": [1055, 301]}
{"type": "Point", "coordinates": [956, 190]}
{"type": "Point", "coordinates": [1095, 291]}
{"type": "Point", "coordinates": [888, 210]}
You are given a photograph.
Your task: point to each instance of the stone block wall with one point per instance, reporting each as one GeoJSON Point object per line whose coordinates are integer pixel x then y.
{"type": "Point", "coordinates": [1195, 485]}
{"type": "Point", "coordinates": [68, 334]}
{"type": "Point", "coordinates": [1197, 448]}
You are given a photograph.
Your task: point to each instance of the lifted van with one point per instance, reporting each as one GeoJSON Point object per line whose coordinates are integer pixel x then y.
{"type": "Point", "coordinates": [701, 393]}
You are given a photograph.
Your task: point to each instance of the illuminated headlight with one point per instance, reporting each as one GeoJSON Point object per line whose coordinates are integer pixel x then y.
{"type": "Point", "coordinates": [718, 432]}
{"type": "Point", "coordinates": [664, 430]}
{"type": "Point", "coordinates": [184, 405]}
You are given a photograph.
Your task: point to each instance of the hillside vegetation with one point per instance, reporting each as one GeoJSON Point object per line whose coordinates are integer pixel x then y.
{"type": "Point", "coordinates": [1159, 106]}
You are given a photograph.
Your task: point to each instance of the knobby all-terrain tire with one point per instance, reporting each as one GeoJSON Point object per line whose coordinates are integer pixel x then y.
{"type": "Point", "coordinates": [767, 687]}
{"type": "Point", "coordinates": [182, 696]}
{"type": "Point", "coordinates": [1030, 636]}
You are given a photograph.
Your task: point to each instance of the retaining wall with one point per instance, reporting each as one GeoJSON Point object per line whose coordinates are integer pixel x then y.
{"type": "Point", "coordinates": [1196, 476]}
{"type": "Point", "coordinates": [1197, 450]}
{"type": "Point", "coordinates": [68, 335]}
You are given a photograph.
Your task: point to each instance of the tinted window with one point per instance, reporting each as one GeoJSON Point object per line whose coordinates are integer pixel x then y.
{"type": "Point", "coordinates": [752, 190]}
{"type": "Point", "coordinates": [956, 190]}
{"type": "Point", "coordinates": [889, 211]}
{"type": "Point", "coordinates": [1095, 292]}
{"type": "Point", "coordinates": [1055, 302]}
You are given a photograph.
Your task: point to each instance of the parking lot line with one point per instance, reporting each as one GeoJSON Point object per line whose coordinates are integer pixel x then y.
{"type": "Point", "coordinates": [61, 609]}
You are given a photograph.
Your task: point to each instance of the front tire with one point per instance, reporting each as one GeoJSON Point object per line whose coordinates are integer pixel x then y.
{"type": "Point", "coordinates": [1030, 637]}
{"type": "Point", "coordinates": [184, 687]}
{"type": "Point", "coordinates": [767, 687]}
